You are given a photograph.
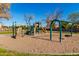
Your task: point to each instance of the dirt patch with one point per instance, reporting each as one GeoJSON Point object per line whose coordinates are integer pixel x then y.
{"type": "Point", "coordinates": [41, 43]}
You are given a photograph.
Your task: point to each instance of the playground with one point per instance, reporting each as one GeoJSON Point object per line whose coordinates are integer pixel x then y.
{"type": "Point", "coordinates": [53, 36]}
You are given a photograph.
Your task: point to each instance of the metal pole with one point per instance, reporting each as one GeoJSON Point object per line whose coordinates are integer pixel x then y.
{"type": "Point", "coordinates": [71, 29]}
{"type": "Point", "coordinates": [38, 27]}
{"type": "Point", "coordinates": [13, 29]}
{"type": "Point", "coordinates": [51, 31]}
{"type": "Point", "coordinates": [60, 25]}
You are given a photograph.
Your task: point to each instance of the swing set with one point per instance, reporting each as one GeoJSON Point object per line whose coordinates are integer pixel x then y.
{"type": "Point", "coordinates": [60, 28]}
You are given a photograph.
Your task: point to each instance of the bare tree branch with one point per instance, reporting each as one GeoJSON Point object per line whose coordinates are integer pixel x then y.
{"type": "Point", "coordinates": [4, 10]}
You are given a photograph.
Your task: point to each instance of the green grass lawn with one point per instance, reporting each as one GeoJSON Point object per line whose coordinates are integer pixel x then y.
{"type": "Point", "coordinates": [6, 32]}
{"type": "Point", "coordinates": [4, 52]}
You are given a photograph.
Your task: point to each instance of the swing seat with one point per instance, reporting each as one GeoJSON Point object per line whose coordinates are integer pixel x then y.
{"type": "Point", "coordinates": [67, 35]}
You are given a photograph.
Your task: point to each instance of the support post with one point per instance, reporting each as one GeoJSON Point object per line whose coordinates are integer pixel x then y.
{"type": "Point", "coordinates": [60, 28]}
{"type": "Point", "coordinates": [60, 25]}
{"type": "Point", "coordinates": [71, 29]}
{"type": "Point", "coordinates": [14, 30]}
{"type": "Point", "coordinates": [51, 31]}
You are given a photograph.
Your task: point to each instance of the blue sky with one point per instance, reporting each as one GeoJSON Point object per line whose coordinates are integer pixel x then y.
{"type": "Point", "coordinates": [39, 10]}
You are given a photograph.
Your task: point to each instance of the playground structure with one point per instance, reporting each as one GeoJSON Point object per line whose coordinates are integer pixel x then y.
{"type": "Point", "coordinates": [36, 28]}
{"type": "Point", "coordinates": [60, 29]}
{"type": "Point", "coordinates": [14, 30]}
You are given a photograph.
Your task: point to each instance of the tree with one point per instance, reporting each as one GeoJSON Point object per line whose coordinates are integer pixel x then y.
{"type": "Point", "coordinates": [53, 16]}
{"type": "Point", "coordinates": [28, 18]}
{"type": "Point", "coordinates": [4, 10]}
{"type": "Point", "coordinates": [57, 14]}
{"type": "Point", "coordinates": [74, 18]}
